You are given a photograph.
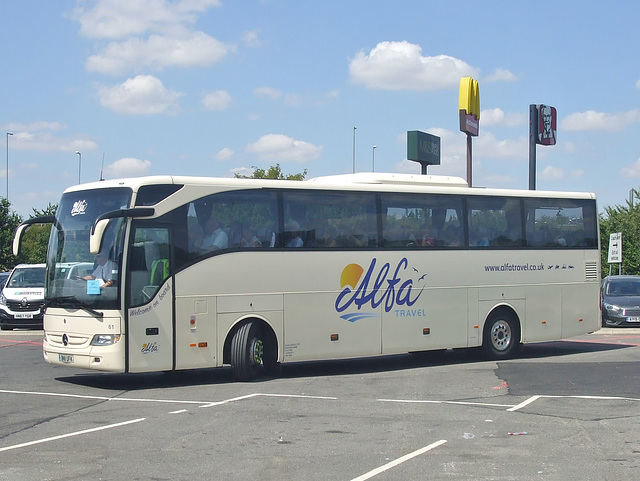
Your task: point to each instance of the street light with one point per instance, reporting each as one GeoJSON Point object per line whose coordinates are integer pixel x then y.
{"type": "Point", "coordinates": [79, 163]}
{"type": "Point", "coordinates": [354, 149]}
{"type": "Point", "coordinates": [8, 134]}
{"type": "Point", "coordinates": [373, 158]}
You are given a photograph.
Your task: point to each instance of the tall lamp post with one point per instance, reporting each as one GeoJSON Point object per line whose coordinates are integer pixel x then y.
{"type": "Point", "coordinates": [79, 163]}
{"type": "Point", "coordinates": [373, 158]}
{"type": "Point", "coordinates": [8, 134]}
{"type": "Point", "coordinates": [354, 149]}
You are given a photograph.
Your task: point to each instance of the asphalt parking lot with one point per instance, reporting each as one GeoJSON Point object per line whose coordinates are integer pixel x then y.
{"type": "Point", "coordinates": [567, 410]}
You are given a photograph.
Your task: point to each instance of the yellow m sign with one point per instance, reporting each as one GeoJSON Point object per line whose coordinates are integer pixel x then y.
{"type": "Point", "coordinates": [469, 105]}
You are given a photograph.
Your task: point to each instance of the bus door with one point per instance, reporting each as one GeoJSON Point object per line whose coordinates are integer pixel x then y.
{"type": "Point", "coordinates": [149, 299]}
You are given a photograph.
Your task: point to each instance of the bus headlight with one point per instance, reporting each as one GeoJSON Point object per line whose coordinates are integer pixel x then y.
{"type": "Point", "coordinates": [105, 339]}
{"type": "Point", "coordinates": [3, 300]}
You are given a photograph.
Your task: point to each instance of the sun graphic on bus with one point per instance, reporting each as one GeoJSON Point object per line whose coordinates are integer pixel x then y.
{"type": "Point", "coordinates": [351, 276]}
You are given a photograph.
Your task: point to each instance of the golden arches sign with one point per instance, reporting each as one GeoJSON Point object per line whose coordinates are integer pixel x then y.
{"type": "Point", "coordinates": [469, 106]}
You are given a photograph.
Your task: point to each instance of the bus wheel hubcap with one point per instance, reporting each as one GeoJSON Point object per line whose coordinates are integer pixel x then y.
{"type": "Point", "coordinates": [257, 351]}
{"type": "Point", "coordinates": [501, 335]}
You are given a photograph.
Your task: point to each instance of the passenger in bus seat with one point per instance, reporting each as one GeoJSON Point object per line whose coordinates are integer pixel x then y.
{"type": "Point", "coordinates": [480, 237]}
{"type": "Point", "coordinates": [249, 239]}
{"type": "Point", "coordinates": [293, 231]}
{"type": "Point", "coordinates": [215, 238]}
{"type": "Point", "coordinates": [452, 236]}
{"type": "Point", "coordinates": [425, 237]}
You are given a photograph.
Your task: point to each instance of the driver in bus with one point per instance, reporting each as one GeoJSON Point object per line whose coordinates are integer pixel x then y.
{"type": "Point", "coordinates": [105, 271]}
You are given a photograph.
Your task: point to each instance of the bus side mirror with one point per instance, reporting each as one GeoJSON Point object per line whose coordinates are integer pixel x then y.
{"type": "Point", "coordinates": [95, 239]}
{"type": "Point", "coordinates": [22, 228]}
{"type": "Point", "coordinates": [17, 238]}
{"type": "Point", "coordinates": [97, 231]}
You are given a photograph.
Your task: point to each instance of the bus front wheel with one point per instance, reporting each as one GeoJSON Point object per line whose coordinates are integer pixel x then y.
{"type": "Point", "coordinates": [251, 349]}
{"type": "Point", "coordinates": [501, 339]}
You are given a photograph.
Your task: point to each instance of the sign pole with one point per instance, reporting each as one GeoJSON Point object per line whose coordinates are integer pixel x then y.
{"type": "Point", "coordinates": [533, 132]}
{"type": "Point", "coordinates": [469, 160]}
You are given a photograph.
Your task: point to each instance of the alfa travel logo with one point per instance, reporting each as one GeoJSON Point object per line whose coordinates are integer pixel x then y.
{"type": "Point", "coordinates": [364, 291]}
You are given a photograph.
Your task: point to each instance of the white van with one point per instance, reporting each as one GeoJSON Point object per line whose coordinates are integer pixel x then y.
{"type": "Point", "coordinates": [22, 298]}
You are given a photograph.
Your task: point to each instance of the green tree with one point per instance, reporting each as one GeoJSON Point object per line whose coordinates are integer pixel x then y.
{"type": "Point", "coordinates": [625, 219]}
{"type": "Point", "coordinates": [36, 238]}
{"type": "Point", "coordinates": [9, 221]}
{"type": "Point", "coordinates": [273, 172]}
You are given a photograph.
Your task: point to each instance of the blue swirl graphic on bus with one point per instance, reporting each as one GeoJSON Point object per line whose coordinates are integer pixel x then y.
{"type": "Point", "coordinates": [376, 287]}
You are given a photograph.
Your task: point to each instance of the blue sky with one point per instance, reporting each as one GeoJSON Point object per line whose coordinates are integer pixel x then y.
{"type": "Point", "coordinates": [214, 87]}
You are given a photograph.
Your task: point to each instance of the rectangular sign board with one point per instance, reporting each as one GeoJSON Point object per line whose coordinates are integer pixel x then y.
{"type": "Point", "coordinates": [615, 248]}
{"type": "Point", "coordinates": [423, 147]}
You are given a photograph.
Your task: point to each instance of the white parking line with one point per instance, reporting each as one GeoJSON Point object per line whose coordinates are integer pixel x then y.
{"type": "Point", "coordinates": [256, 394]}
{"type": "Point", "coordinates": [463, 403]}
{"type": "Point", "coordinates": [102, 398]}
{"type": "Point", "coordinates": [77, 433]}
{"type": "Point", "coordinates": [524, 403]}
{"type": "Point", "coordinates": [511, 407]}
{"type": "Point", "coordinates": [396, 462]}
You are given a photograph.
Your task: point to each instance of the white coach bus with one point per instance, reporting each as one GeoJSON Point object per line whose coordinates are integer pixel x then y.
{"type": "Point", "coordinates": [205, 272]}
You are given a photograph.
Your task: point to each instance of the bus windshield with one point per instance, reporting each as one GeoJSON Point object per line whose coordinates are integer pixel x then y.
{"type": "Point", "coordinates": [75, 277]}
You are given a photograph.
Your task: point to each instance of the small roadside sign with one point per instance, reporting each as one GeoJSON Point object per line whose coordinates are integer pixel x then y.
{"type": "Point", "coordinates": [615, 248]}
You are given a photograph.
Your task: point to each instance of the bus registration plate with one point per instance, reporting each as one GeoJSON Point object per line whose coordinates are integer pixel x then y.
{"type": "Point", "coordinates": [24, 316]}
{"type": "Point", "coordinates": [66, 358]}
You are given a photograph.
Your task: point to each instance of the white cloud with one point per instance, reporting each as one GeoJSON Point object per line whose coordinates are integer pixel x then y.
{"type": "Point", "coordinates": [123, 18]}
{"type": "Point", "coordinates": [189, 49]}
{"type": "Point", "coordinates": [487, 146]}
{"type": "Point", "coordinates": [401, 66]}
{"type": "Point", "coordinates": [592, 120]}
{"type": "Point", "coordinates": [267, 92]}
{"type": "Point", "coordinates": [41, 125]}
{"type": "Point", "coordinates": [498, 117]}
{"type": "Point", "coordinates": [148, 33]}
{"type": "Point", "coordinates": [250, 39]}
{"type": "Point", "coordinates": [242, 171]}
{"type": "Point", "coordinates": [39, 136]}
{"type": "Point", "coordinates": [551, 174]}
{"type": "Point", "coordinates": [224, 154]}
{"type": "Point", "coordinates": [217, 100]}
{"type": "Point", "coordinates": [127, 167]}
{"type": "Point", "coordinates": [501, 75]}
{"type": "Point", "coordinates": [141, 95]}
{"type": "Point", "coordinates": [279, 147]}
{"type": "Point", "coordinates": [631, 170]}
{"type": "Point", "coordinates": [293, 100]}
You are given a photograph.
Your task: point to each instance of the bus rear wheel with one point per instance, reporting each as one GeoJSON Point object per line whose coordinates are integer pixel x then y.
{"type": "Point", "coordinates": [501, 339]}
{"type": "Point", "coordinates": [251, 350]}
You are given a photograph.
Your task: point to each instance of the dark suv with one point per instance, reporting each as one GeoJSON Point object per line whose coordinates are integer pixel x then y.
{"type": "Point", "coordinates": [620, 301]}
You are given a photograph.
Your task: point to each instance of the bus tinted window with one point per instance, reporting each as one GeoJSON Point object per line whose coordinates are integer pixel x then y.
{"type": "Point", "coordinates": [317, 219]}
{"type": "Point", "coordinates": [416, 220]}
{"type": "Point", "coordinates": [239, 219]}
{"type": "Point", "coordinates": [152, 194]}
{"type": "Point", "coordinates": [560, 223]}
{"type": "Point", "coordinates": [495, 221]}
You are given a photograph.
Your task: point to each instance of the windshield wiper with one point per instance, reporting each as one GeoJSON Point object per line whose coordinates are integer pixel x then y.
{"type": "Point", "coordinates": [72, 302]}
